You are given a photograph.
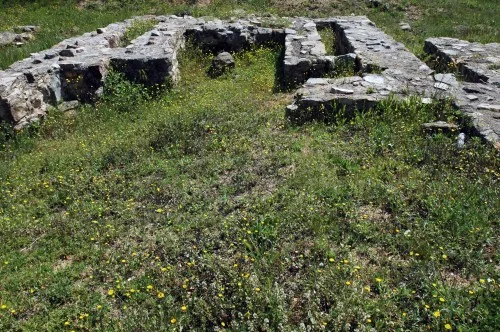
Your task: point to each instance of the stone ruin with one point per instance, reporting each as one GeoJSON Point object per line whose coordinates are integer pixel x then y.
{"type": "Point", "coordinates": [388, 69]}
{"type": "Point", "coordinates": [20, 36]}
{"type": "Point", "coordinates": [74, 70]}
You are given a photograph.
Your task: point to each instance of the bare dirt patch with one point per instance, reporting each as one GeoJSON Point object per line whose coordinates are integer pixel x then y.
{"type": "Point", "coordinates": [63, 263]}
{"type": "Point", "coordinates": [454, 279]}
{"type": "Point", "coordinates": [374, 214]}
{"type": "Point", "coordinates": [413, 13]}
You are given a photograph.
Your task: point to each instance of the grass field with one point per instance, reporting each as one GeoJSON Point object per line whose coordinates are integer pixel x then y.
{"type": "Point", "coordinates": [204, 209]}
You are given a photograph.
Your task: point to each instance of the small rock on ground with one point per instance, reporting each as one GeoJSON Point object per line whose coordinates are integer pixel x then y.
{"type": "Point", "coordinates": [221, 63]}
{"type": "Point", "coordinates": [405, 26]}
{"type": "Point", "coordinates": [439, 126]}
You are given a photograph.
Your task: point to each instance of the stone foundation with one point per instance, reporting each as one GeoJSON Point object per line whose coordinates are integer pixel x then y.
{"type": "Point", "coordinates": [388, 69]}
{"type": "Point", "coordinates": [75, 69]}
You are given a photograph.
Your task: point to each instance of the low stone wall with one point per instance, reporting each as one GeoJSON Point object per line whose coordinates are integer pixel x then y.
{"type": "Point", "coordinates": [479, 63]}
{"type": "Point", "coordinates": [305, 54]}
{"type": "Point", "coordinates": [72, 70]}
{"type": "Point", "coordinates": [75, 69]}
{"type": "Point", "coordinates": [388, 69]}
{"type": "Point", "coordinates": [218, 36]}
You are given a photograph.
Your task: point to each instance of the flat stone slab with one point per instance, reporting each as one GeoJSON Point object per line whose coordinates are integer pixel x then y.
{"type": "Point", "coordinates": [324, 99]}
{"type": "Point", "coordinates": [439, 126]}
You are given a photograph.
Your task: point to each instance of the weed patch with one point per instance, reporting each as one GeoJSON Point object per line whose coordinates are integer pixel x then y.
{"type": "Point", "coordinates": [138, 28]}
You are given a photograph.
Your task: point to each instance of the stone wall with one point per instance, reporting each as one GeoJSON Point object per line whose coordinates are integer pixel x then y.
{"type": "Point", "coordinates": [387, 69]}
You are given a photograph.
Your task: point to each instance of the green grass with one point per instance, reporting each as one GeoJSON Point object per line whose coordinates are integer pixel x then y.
{"type": "Point", "coordinates": [472, 20]}
{"type": "Point", "coordinates": [328, 39]}
{"type": "Point", "coordinates": [203, 208]}
{"type": "Point", "coordinates": [138, 28]}
{"type": "Point", "coordinates": [223, 207]}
